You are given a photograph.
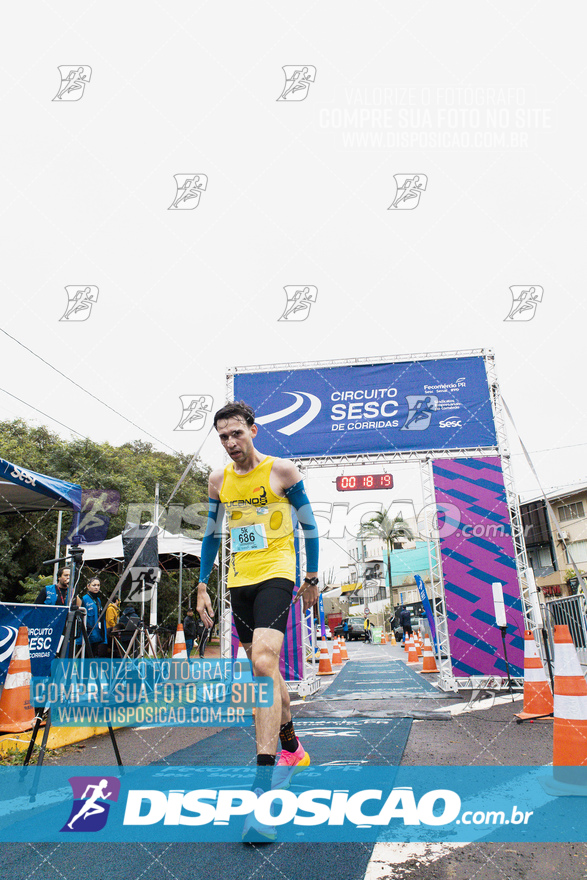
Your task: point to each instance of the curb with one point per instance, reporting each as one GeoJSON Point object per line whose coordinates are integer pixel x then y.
{"type": "Point", "coordinates": [58, 737]}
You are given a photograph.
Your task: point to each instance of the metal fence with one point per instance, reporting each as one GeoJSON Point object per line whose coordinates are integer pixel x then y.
{"type": "Point", "coordinates": [571, 611]}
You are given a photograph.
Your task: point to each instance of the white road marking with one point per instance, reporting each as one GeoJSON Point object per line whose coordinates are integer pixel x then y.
{"type": "Point", "coordinates": [387, 856]}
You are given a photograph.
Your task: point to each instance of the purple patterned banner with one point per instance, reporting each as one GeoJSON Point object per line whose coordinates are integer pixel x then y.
{"type": "Point", "coordinates": [477, 550]}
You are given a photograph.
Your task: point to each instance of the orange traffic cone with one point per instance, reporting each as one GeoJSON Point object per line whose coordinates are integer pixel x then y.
{"type": "Point", "coordinates": [336, 658]}
{"type": "Point", "coordinates": [412, 653]}
{"type": "Point", "coordinates": [324, 666]}
{"type": "Point", "coordinates": [179, 648]}
{"type": "Point", "coordinates": [344, 654]}
{"type": "Point", "coordinates": [569, 755]}
{"type": "Point", "coordinates": [538, 702]}
{"type": "Point", "coordinates": [383, 638]}
{"type": "Point", "coordinates": [418, 647]}
{"type": "Point", "coordinates": [428, 661]}
{"type": "Point", "coordinates": [392, 640]}
{"type": "Point", "coordinates": [406, 643]}
{"type": "Point", "coordinates": [16, 712]}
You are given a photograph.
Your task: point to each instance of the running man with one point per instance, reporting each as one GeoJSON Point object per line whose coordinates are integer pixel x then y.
{"type": "Point", "coordinates": [422, 410]}
{"type": "Point", "coordinates": [258, 493]}
{"type": "Point", "coordinates": [74, 81]}
{"type": "Point", "coordinates": [410, 189]}
{"type": "Point", "coordinates": [300, 79]}
{"type": "Point", "coordinates": [301, 300]}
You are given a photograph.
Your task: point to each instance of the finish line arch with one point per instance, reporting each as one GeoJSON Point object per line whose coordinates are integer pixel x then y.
{"type": "Point", "coordinates": [442, 410]}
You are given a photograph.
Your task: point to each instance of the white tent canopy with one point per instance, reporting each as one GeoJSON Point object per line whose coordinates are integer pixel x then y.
{"type": "Point", "coordinates": [168, 544]}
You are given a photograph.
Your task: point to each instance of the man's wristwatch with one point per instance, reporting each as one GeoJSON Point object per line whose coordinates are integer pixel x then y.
{"type": "Point", "coordinates": [312, 581]}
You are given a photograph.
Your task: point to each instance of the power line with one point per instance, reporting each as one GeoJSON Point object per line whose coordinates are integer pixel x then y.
{"type": "Point", "coordinates": [46, 415]}
{"type": "Point", "coordinates": [551, 449]}
{"type": "Point", "coordinates": [85, 390]}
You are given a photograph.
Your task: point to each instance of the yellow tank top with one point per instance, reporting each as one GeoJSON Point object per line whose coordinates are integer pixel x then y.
{"type": "Point", "coordinates": [260, 518]}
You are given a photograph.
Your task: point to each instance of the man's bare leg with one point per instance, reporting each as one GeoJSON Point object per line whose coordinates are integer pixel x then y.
{"type": "Point", "coordinates": [264, 652]}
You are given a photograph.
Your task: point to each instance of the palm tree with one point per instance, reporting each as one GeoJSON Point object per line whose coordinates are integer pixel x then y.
{"type": "Point", "coordinates": [389, 530]}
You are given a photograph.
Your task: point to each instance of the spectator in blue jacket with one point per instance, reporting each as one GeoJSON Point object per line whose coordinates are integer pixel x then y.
{"type": "Point", "coordinates": [55, 594]}
{"type": "Point", "coordinates": [96, 627]}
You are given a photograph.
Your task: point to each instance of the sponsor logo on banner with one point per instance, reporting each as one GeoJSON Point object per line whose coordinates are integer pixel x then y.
{"type": "Point", "coordinates": [189, 188]}
{"type": "Point", "coordinates": [525, 301]}
{"type": "Point", "coordinates": [301, 421]}
{"type": "Point", "coordinates": [8, 636]}
{"type": "Point", "coordinates": [299, 302]}
{"type": "Point", "coordinates": [194, 409]}
{"type": "Point", "coordinates": [45, 625]}
{"type": "Point", "coordinates": [74, 79]}
{"type": "Point", "coordinates": [24, 476]}
{"type": "Point", "coordinates": [79, 302]}
{"type": "Point", "coordinates": [409, 190]}
{"type": "Point", "coordinates": [90, 805]}
{"type": "Point", "coordinates": [298, 80]}
{"type": "Point", "coordinates": [450, 423]}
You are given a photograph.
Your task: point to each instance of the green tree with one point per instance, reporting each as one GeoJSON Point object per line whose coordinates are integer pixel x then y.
{"type": "Point", "coordinates": [132, 469]}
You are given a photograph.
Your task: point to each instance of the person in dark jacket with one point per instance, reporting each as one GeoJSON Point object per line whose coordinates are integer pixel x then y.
{"type": "Point", "coordinates": [190, 631]}
{"type": "Point", "coordinates": [128, 622]}
{"type": "Point", "coordinates": [405, 622]}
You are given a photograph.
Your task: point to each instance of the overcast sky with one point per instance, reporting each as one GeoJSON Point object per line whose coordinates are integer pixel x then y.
{"type": "Point", "coordinates": [297, 192]}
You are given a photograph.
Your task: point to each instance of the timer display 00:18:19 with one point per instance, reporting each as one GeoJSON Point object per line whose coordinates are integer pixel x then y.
{"type": "Point", "coordinates": [358, 482]}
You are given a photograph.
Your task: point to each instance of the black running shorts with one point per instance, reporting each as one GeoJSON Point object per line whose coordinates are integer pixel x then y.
{"type": "Point", "coordinates": [257, 606]}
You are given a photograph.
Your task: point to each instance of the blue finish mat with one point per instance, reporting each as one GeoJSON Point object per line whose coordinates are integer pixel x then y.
{"type": "Point", "coordinates": [367, 679]}
{"type": "Point", "coordinates": [327, 741]}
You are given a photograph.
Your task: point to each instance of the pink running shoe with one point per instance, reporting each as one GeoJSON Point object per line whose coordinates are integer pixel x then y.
{"type": "Point", "coordinates": [288, 765]}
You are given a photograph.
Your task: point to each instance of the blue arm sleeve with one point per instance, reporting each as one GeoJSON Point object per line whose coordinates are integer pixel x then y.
{"type": "Point", "coordinates": [296, 495]}
{"type": "Point", "coordinates": [211, 539]}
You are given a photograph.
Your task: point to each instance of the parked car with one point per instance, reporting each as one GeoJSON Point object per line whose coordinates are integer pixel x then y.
{"type": "Point", "coordinates": [326, 630]}
{"type": "Point", "coordinates": [356, 629]}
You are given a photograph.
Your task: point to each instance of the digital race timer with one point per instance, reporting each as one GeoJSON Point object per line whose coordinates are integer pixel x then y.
{"type": "Point", "coordinates": [364, 481]}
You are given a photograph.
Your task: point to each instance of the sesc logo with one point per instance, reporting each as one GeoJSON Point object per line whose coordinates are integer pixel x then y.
{"type": "Point", "coordinates": [90, 802]}
{"type": "Point", "coordinates": [450, 423]}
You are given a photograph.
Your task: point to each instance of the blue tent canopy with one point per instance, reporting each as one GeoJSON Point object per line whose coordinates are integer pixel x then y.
{"type": "Point", "coordinates": [24, 491]}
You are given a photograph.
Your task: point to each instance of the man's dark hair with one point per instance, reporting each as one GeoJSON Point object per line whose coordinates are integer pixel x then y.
{"type": "Point", "coordinates": [235, 409]}
{"type": "Point", "coordinates": [61, 570]}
